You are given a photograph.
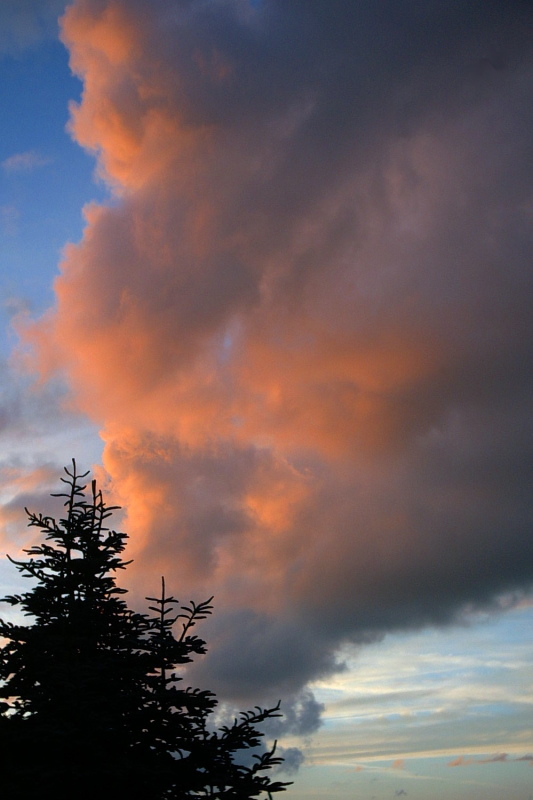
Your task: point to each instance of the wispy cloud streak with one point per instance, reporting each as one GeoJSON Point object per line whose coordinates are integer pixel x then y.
{"type": "Point", "coordinates": [502, 758]}
{"type": "Point", "coordinates": [24, 162]}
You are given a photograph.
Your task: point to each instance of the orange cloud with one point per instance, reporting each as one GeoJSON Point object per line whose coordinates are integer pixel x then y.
{"type": "Point", "coordinates": [301, 321]}
{"type": "Point", "coordinates": [460, 761]}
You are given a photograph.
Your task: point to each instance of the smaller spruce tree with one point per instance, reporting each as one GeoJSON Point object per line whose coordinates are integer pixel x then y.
{"type": "Point", "coordinates": [92, 705]}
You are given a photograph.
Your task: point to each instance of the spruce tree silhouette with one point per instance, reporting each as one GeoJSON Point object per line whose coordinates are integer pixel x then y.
{"type": "Point", "coordinates": [92, 705]}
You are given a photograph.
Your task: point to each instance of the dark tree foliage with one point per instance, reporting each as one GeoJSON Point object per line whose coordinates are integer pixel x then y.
{"type": "Point", "coordinates": [92, 705]}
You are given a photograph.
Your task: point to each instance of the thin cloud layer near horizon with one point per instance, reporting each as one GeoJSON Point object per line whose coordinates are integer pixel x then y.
{"type": "Point", "coordinates": [302, 320]}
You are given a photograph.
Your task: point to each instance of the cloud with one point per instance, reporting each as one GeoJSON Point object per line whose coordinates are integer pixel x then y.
{"type": "Point", "coordinates": [303, 323]}
{"type": "Point", "coordinates": [502, 758]}
{"type": "Point", "coordinates": [460, 761]}
{"type": "Point", "coordinates": [24, 162]}
{"type": "Point", "coordinates": [293, 758]}
{"type": "Point", "coordinates": [301, 716]}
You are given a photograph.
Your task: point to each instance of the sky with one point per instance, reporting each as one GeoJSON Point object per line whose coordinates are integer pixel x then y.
{"type": "Point", "coordinates": [266, 270]}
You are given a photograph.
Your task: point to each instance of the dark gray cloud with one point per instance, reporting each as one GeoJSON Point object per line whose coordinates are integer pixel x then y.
{"type": "Point", "coordinates": [293, 758]}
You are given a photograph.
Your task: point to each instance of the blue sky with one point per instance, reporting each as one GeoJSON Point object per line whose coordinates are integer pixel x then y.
{"type": "Point", "coordinates": [46, 177]}
{"type": "Point", "coordinates": [291, 338]}
{"type": "Point", "coordinates": [412, 706]}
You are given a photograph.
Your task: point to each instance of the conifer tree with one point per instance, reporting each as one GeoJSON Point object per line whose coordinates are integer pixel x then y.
{"type": "Point", "coordinates": [92, 705]}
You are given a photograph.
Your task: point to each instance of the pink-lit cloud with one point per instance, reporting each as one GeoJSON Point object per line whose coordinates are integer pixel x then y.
{"type": "Point", "coordinates": [303, 321]}
{"type": "Point", "coordinates": [502, 758]}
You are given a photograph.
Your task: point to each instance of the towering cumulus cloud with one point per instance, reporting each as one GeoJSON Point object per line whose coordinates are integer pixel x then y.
{"type": "Point", "coordinates": [303, 322]}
